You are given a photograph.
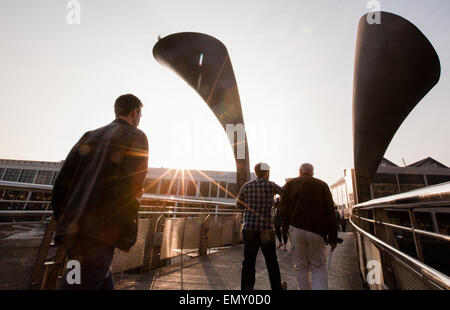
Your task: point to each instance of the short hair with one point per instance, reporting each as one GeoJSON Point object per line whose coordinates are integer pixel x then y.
{"type": "Point", "coordinates": [307, 168]}
{"type": "Point", "coordinates": [260, 168]}
{"type": "Point", "coordinates": [125, 104]}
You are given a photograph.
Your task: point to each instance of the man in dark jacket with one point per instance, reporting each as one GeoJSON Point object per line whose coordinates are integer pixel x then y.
{"type": "Point", "coordinates": [95, 194]}
{"type": "Point", "coordinates": [308, 214]}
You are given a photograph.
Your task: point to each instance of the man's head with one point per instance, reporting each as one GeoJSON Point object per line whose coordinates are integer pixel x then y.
{"type": "Point", "coordinates": [306, 169]}
{"type": "Point", "coordinates": [262, 170]}
{"type": "Point", "coordinates": [129, 108]}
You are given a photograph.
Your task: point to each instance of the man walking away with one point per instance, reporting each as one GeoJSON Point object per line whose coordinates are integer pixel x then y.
{"type": "Point", "coordinates": [307, 210]}
{"type": "Point", "coordinates": [278, 222]}
{"type": "Point", "coordinates": [95, 195]}
{"type": "Point", "coordinates": [338, 217]}
{"type": "Point", "coordinates": [343, 222]}
{"type": "Point", "coordinates": [256, 197]}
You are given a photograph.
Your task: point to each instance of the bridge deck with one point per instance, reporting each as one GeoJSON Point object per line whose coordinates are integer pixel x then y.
{"type": "Point", "coordinates": [222, 271]}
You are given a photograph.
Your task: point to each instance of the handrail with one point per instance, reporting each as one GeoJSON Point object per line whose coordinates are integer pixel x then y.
{"type": "Point", "coordinates": [19, 223]}
{"type": "Point", "coordinates": [48, 188]}
{"type": "Point", "coordinates": [49, 213]}
{"type": "Point", "coordinates": [179, 207]}
{"type": "Point", "coordinates": [25, 201]}
{"type": "Point", "coordinates": [438, 192]}
{"type": "Point", "coordinates": [438, 277]}
{"type": "Point", "coordinates": [193, 213]}
{"type": "Point", "coordinates": [24, 213]}
{"type": "Point", "coordinates": [412, 205]}
{"type": "Point", "coordinates": [405, 228]}
{"type": "Point", "coordinates": [185, 200]}
{"type": "Point", "coordinates": [26, 186]}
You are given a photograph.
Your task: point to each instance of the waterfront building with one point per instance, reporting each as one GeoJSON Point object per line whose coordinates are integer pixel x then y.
{"type": "Point", "coordinates": [390, 179]}
{"type": "Point", "coordinates": [185, 183]}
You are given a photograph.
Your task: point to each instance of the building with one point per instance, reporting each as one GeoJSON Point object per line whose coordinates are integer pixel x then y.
{"type": "Point", "coordinates": [390, 179]}
{"type": "Point", "coordinates": [201, 184]}
{"type": "Point", "coordinates": [194, 184]}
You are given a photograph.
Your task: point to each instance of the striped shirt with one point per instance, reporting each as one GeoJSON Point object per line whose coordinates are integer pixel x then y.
{"type": "Point", "coordinates": [256, 197]}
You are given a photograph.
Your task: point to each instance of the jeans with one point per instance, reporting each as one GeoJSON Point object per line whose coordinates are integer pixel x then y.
{"type": "Point", "coordinates": [252, 241]}
{"type": "Point", "coordinates": [95, 261]}
{"type": "Point", "coordinates": [309, 256]}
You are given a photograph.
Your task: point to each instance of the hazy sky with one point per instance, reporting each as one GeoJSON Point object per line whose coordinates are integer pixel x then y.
{"type": "Point", "coordinates": [293, 62]}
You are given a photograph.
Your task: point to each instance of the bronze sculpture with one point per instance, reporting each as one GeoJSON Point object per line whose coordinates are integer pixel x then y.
{"type": "Point", "coordinates": [395, 67]}
{"type": "Point", "coordinates": [204, 63]}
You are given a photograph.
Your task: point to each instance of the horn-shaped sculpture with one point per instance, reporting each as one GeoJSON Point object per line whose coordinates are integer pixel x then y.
{"type": "Point", "coordinates": [203, 62]}
{"type": "Point", "coordinates": [395, 67]}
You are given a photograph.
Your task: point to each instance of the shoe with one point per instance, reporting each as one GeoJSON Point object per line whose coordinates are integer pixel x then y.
{"type": "Point", "coordinates": [284, 247]}
{"type": "Point", "coordinates": [284, 285]}
{"type": "Point", "coordinates": [279, 246]}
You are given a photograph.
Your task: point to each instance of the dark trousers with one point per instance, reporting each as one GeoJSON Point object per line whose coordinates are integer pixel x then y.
{"type": "Point", "coordinates": [253, 240]}
{"type": "Point", "coordinates": [279, 232]}
{"type": "Point", "coordinates": [344, 225]}
{"type": "Point", "coordinates": [95, 261]}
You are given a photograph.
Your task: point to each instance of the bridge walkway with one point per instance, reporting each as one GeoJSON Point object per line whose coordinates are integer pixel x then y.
{"type": "Point", "coordinates": [222, 271]}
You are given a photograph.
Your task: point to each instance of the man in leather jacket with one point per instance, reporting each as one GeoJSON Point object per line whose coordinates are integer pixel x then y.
{"type": "Point", "coordinates": [95, 194]}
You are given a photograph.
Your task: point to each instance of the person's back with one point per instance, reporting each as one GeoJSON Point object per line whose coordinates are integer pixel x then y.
{"type": "Point", "coordinates": [259, 195]}
{"type": "Point", "coordinates": [256, 197]}
{"type": "Point", "coordinates": [101, 195]}
{"type": "Point", "coordinates": [94, 198]}
{"type": "Point", "coordinates": [310, 210]}
{"type": "Point", "coordinates": [308, 213]}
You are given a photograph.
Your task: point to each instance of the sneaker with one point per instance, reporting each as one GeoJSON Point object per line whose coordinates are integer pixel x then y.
{"type": "Point", "coordinates": [284, 285]}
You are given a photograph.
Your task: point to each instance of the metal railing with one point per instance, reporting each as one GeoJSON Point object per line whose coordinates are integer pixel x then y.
{"type": "Point", "coordinates": [161, 237]}
{"type": "Point", "coordinates": [376, 239]}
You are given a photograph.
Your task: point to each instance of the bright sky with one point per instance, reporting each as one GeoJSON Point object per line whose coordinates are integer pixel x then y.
{"type": "Point", "coordinates": [293, 62]}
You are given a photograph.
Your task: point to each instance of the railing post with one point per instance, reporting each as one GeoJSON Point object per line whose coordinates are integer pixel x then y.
{"type": "Point", "coordinates": [149, 243]}
{"type": "Point", "coordinates": [416, 238]}
{"type": "Point", "coordinates": [182, 243]}
{"type": "Point", "coordinates": [434, 221]}
{"type": "Point", "coordinates": [203, 247]}
{"type": "Point", "coordinates": [236, 227]}
{"type": "Point", "coordinates": [155, 250]}
{"type": "Point", "coordinates": [383, 233]}
{"type": "Point", "coordinates": [55, 270]}
{"type": "Point", "coordinates": [38, 272]}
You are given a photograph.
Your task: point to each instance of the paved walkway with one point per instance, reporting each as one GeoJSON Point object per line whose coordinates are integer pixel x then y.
{"type": "Point", "coordinates": [222, 271]}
